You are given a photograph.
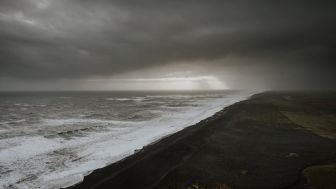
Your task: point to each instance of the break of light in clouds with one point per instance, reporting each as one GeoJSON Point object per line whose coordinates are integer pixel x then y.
{"type": "Point", "coordinates": [163, 83]}
{"type": "Point", "coordinates": [192, 44]}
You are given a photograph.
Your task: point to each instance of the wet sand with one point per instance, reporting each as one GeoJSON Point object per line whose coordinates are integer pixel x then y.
{"type": "Point", "coordinates": [264, 142]}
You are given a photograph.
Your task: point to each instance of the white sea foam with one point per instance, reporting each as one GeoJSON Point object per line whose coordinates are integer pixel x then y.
{"type": "Point", "coordinates": [139, 99]}
{"type": "Point", "coordinates": [30, 105]}
{"type": "Point", "coordinates": [12, 121]}
{"type": "Point", "coordinates": [58, 122]}
{"type": "Point", "coordinates": [36, 161]}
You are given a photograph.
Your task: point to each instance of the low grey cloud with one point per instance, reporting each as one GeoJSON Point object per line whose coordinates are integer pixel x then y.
{"type": "Point", "coordinates": [78, 39]}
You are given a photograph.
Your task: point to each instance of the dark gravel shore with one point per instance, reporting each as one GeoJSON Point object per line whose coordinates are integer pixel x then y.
{"type": "Point", "coordinates": [264, 142]}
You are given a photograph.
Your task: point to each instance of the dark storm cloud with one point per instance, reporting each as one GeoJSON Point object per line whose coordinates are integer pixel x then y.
{"type": "Point", "coordinates": [45, 39]}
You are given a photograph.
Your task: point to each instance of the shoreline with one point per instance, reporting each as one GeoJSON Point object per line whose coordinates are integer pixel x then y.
{"type": "Point", "coordinates": [175, 154]}
{"type": "Point", "coordinates": [212, 109]}
{"type": "Point", "coordinates": [160, 138]}
{"type": "Point", "coordinates": [150, 145]}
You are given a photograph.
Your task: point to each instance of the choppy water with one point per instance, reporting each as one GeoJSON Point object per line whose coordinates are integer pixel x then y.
{"type": "Point", "coordinates": [51, 140]}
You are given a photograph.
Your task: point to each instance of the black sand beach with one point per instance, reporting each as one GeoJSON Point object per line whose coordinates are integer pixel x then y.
{"type": "Point", "coordinates": [273, 140]}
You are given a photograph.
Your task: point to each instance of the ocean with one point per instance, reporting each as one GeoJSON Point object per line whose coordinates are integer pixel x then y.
{"type": "Point", "coordinates": [53, 139]}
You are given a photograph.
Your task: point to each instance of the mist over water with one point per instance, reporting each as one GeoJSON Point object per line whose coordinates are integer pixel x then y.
{"type": "Point", "coordinates": [52, 140]}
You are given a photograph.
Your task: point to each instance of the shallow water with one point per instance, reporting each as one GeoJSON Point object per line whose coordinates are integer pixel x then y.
{"type": "Point", "coordinates": [51, 140]}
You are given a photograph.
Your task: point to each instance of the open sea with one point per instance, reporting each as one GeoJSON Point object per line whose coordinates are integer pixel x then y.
{"type": "Point", "coordinates": [52, 139]}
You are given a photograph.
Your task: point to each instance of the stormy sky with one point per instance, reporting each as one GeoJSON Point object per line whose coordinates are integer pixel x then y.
{"type": "Point", "coordinates": [167, 44]}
